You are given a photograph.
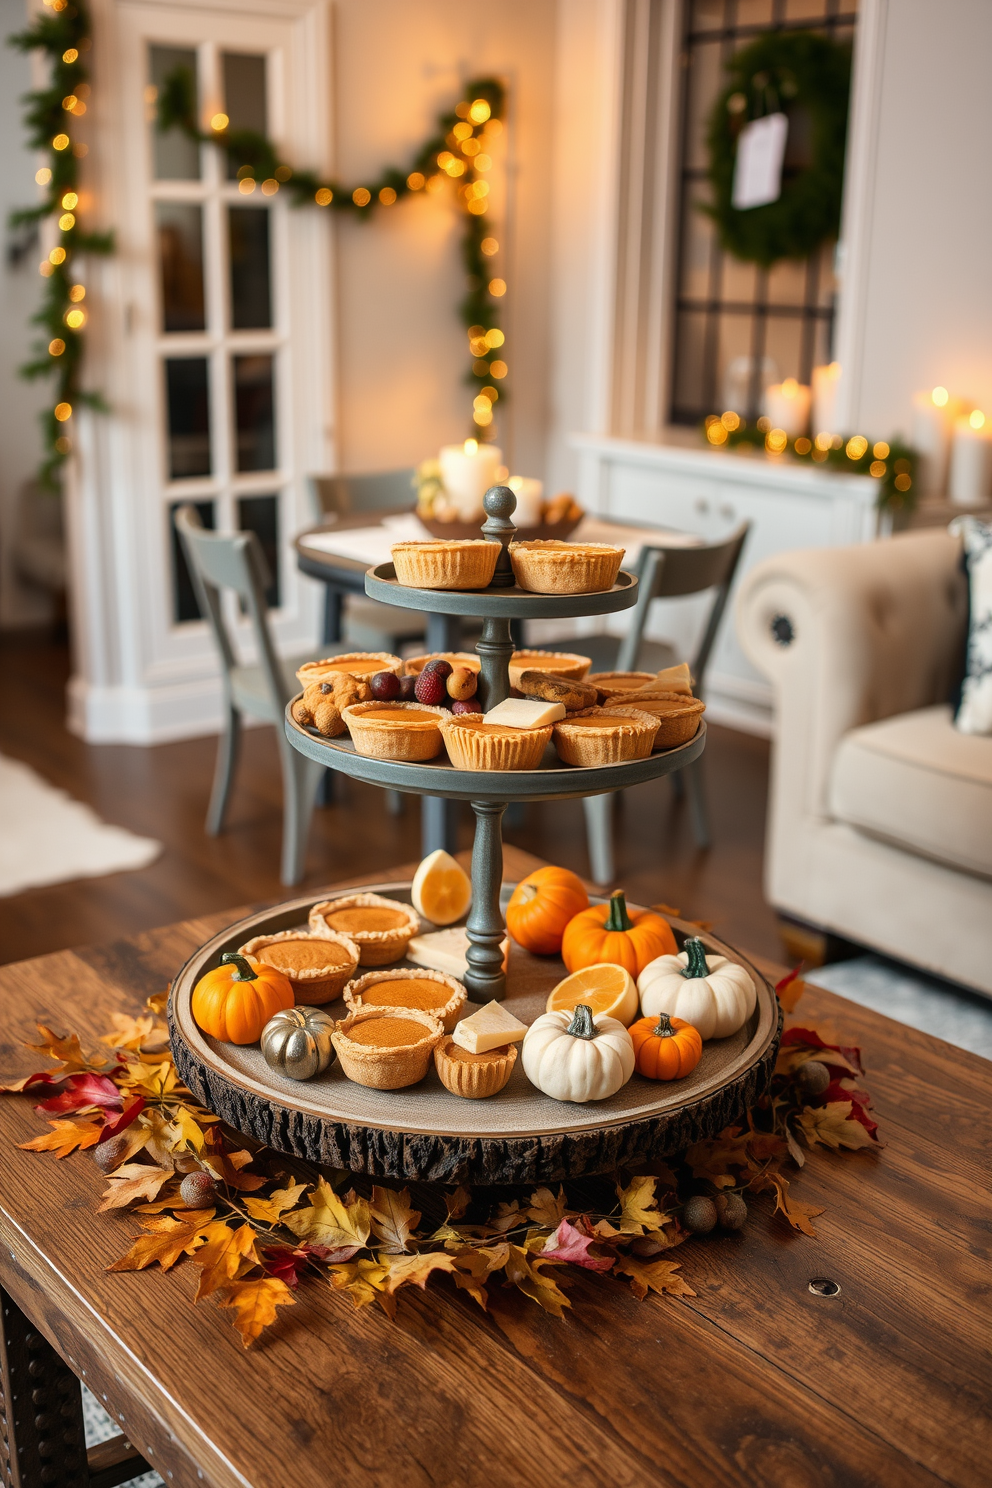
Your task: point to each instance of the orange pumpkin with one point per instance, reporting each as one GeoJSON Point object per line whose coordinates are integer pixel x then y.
{"type": "Point", "coordinates": [541, 906]}
{"type": "Point", "coordinates": [665, 1048]}
{"type": "Point", "coordinates": [236, 1000]}
{"type": "Point", "coordinates": [610, 932]}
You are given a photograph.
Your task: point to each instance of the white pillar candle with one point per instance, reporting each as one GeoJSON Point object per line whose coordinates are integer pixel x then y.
{"type": "Point", "coordinates": [467, 471]}
{"type": "Point", "coordinates": [787, 406]}
{"type": "Point", "coordinates": [971, 461]}
{"type": "Point", "coordinates": [529, 494]}
{"type": "Point", "coordinates": [826, 386]}
{"type": "Point", "coordinates": [933, 418]}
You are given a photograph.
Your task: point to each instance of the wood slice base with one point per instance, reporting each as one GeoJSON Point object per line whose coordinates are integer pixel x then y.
{"type": "Point", "coordinates": [426, 1134]}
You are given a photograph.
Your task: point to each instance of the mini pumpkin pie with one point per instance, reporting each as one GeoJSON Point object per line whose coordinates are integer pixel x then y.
{"type": "Point", "coordinates": [604, 736]}
{"type": "Point", "coordinates": [678, 716]}
{"type": "Point", "coordinates": [474, 744]}
{"type": "Point", "coordinates": [387, 1048]}
{"type": "Point", "coordinates": [474, 1076]}
{"type": "Point", "coordinates": [395, 731]}
{"type": "Point", "coordinates": [608, 684]}
{"type": "Point", "coordinates": [381, 928]}
{"type": "Point", "coordinates": [316, 965]}
{"type": "Point", "coordinates": [407, 987]}
{"type": "Point", "coordinates": [415, 664]}
{"type": "Point", "coordinates": [354, 663]}
{"type": "Point", "coordinates": [550, 566]}
{"type": "Point", "coordinates": [559, 663]}
{"type": "Point", "coordinates": [467, 563]}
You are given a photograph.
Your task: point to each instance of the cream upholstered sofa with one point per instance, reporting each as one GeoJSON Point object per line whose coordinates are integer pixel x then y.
{"type": "Point", "coordinates": [880, 825]}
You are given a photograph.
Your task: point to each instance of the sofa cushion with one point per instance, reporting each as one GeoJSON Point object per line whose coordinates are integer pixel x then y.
{"type": "Point", "coordinates": [918, 782]}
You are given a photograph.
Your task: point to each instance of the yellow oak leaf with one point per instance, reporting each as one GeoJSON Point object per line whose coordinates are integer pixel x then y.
{"type": "Point", "coordinates": [223, 1255]}
{"type": "Point", "coordinates": [471, 1270]}
{"type": "Point", "coordinates": [171, 1239]}
{"type": "Point", "coordinates": [164, 1136]}
{"type": "Point", "coordinates": [65, 1047]}
{"type": "Point", "coordinates": [66, 1137]}
{"type": "Point", "coordinates": [545, 1209]}
{"type": "Point", "coordinates": [271, 1210]}
{"type": "Point", "coordinates": [327, 1220]}
{"type": "Point", "coordinates": [190, 1129]}
{"type": "Point", "coordinates": [365, 1282]}
{"type": "Point", "coordinates": [830, 1124]}
{"type": "Point", "coordinates": [130, 1033]}
{"type": "Point", "coordinates": [131, 1182]}
{"type": "Point", "coordinates": [254, 1302]}
{"type": "Point", "coordinates": [524, 1271]}
{"type": "Point", "coordinates": [654, 1276]}
{"type": "Point", "coordinates": [393, 1218]}
{"type": "Point", "coordinates": [413, 1270]}
{"type": "Point", "coordinates": [638, 1207]}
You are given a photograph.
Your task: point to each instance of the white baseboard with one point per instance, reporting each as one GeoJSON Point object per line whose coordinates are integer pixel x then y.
{"type": "Point", "coordinates": [144, 715]}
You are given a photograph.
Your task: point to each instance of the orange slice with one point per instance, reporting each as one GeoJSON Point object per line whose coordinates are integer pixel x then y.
{"type": "Point", "coordinates": [442, 890]}
{"type": "Point", "coordinates": [604, 988]}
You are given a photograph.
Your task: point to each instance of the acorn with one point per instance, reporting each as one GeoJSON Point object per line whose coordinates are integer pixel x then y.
{"type": "Point", "coordinates": [699, 1215]}
{"type": "Point", "coordinates": [197, 1190]}
{"type": "Point", "coordinates": [731, 1211]}
{"type": "Point", "coordinates": [812, 1078]}
{"type": "Point", "coordinates": [431, 686]}
{"type": "Point", "coordinates": [407, 693]}
{"type": "Point", "coordinates": [462, 683]}
{"type": "Point", "coordinates": [466, 705]}
{"type": "Point", "coordinates": [385, 686]}
{"type": "Point", "coordinates": [110, 1154]}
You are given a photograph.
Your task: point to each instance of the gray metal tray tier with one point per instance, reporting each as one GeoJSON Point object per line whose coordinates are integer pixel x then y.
{"type": "Point", "coordinates": [439, 778]}
{"type": "Point", "coordinates": [509, 603]}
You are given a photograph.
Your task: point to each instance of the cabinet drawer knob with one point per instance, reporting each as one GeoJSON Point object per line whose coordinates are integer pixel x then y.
{"type": "Point", "coordinates": [702, 505]}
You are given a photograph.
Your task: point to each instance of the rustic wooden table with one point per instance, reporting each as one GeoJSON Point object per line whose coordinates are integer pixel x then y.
{"type": "Point", "coordinates": [753, 1381]}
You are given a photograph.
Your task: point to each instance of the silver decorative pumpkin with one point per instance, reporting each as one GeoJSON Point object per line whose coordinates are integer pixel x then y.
{"type": "Point", "coordinates": [297, 1042]}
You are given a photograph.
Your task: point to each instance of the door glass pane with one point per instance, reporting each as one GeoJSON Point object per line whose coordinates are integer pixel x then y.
{"type": "Point", "coordinates": [254, 412]}
{"type": "Point", "coordinates": [244, 96]}
{"type": "Point", "coordinates": [185, 605]}
{"type": "Point", "coordinates": [251, 288]}
{"type": "Point", "coordinates": [180, 257]}
{"type": "Point", "coordinates": [188, 401]}
{"type": "Point", "coordinates": [260, 514]}
{"type": "Point", "coordinates": [175, 157]}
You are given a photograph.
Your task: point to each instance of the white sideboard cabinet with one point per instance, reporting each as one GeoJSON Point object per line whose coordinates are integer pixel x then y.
{"type": "Point", "coordinates": [710, 493]}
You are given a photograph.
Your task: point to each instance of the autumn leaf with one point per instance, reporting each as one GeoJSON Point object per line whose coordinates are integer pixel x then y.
{"type": "Point", "coordinates": [327, 1220]}
{"type": "Point", "coordinates": [524, 1271]}
{"type": "Point", "coordinates": [254, 1303]}
{"type": "Point", "coordinates": [507, 1217]}
{"type": "Point", "coordinates": [135, 1140]}
{"type": "Point", "coordinates": [638, 1207]}
{"type": "Point", "coordinates": [393, 1219]}
{"type": "Point", "coordinates": [458, 1202]}
{"type": "Point", "coordinates": [569, 1244]}
{"type": "Point", "coordinates": [801, 1044]}
{"type": "Point", "coordinates": [158, 1002]}
{"type": "Point", "coordinates": [471, 1270]}
{"type": "Point", "coordinates": [365, 1282]}
{"type": "Point", "coordinates": [66, 1048]}
{"type": "Point", "coordinates": [832, 1125]}
{"type": "Point", "coordinates": [65, 1137]}
{"type": "Point", "coordinates": [222, 1256]}
{"type": "Point", "coordinates": [226, 1165]}
{"type": "Point", "coordinates": [271, 1210]}
{"type": "Point", "coordinates": [82, 1093]}
{"type": "Point", "coordinates": [790, 989]}
{"type": "Point", "coordinates": [288, 1261]}
{"type": "Point", "coordinates": [653, 1276]}
{"type": "Point", "coordinates": [133, 1181]}
{"type": "Point", "coordinates": [799, 1215]}
{"type": "Point", "coordinates": [169, 1241]}
{"type": "Point", "coordinates": [192, 1133]}
{"type": "Point", "coordinates": [144, 1034]}
{"type": "Point", "coordinates": [712, 1159]}
{"type": "Point", "coordinates": [544, 1209]}
{"type": "Point", "coordinates": [114, 1124]}
{"type": "Point", "coordinates": [413, 1270]}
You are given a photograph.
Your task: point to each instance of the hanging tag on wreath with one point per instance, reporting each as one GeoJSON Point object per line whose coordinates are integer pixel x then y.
{"type": "Point", "coordinates": [758, 168]}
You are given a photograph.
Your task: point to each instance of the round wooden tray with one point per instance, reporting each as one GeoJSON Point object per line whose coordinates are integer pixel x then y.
{"type": "Point", "coordinates": [424, 1132]}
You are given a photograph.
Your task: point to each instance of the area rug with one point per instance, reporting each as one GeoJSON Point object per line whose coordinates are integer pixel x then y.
{"type": "Point", "coordinates": [46, 837]}
{"type": "Point", "coordinates": [100, 1428]}
{"type": "Point", "coordinates": [933, 1006]}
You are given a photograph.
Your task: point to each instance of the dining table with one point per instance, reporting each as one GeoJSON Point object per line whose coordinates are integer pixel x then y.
{"type": "Point", "coordinates": [856, 1359]}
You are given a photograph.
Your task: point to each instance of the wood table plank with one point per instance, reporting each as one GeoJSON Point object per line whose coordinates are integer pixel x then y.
{"type": "Point", "coordinates": [752, 1381]}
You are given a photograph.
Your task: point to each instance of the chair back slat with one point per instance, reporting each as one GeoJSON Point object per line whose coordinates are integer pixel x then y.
{"type": "Point", "coordinates": [347, 495]}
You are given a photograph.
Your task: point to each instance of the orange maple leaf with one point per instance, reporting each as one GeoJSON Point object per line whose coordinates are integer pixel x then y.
{"type": "Point", "coordinates": [654, 1276]}
{"type": "Point", "coordinates": [65, 1047]}
{"type": "Point", "coordinates": [171, 1239]}
{"type": "Point", "coordinates": [223, 1255]}
{"type": "Point", "coordinates": [254, 1303]}
{"type": "Point", "coordinates": [799, 1214]}
{"type": "Point", "coordinates": [66, 1137]}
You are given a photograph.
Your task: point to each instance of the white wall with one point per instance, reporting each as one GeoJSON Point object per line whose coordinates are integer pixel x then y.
{"type": "Point", "coordinates": [20, 288]}
{"type": "Point", "coordinates": [917, 291]}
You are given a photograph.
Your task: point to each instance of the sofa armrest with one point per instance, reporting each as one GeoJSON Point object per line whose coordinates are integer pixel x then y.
{"type": "Point", "coordinates": [848, 636]}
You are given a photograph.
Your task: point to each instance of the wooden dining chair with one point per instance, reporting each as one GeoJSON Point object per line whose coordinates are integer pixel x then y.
{"type": "Point", "coordinates": [236, 562]}
{"type": "Point", "coordinates": [668, 573]}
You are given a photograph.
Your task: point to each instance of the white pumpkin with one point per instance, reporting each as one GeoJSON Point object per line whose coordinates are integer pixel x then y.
{"type": "Point", "coordinates": [574, 1056]}
{"type": "Point", "coordinates": [713, 994]}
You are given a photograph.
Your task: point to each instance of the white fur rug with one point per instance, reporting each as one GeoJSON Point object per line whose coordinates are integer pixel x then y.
{"type": "Point", "coordinates": [46, 837]}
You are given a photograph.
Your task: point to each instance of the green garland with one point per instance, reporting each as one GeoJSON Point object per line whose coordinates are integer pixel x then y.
{"type": "Point", "coordinates": [453, 152]}
{"type": "Point", "coordinates": [796, 72]}
{"type": "Point", "coordinates": [892, 463]}
{"type": "Point", "coordinates": [64, 36]}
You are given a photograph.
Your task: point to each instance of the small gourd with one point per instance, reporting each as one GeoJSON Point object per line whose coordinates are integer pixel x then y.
{"type": "Point", "coordinates": [541, 906]}
{"type": "Point", "coordinates": [297, 1042]}
{"type": "Point", "coordinates": [573, 1056]}
{"type": "Point", "coordinates": [713, 994]}
{"type": "Point", "coordinates": [665, 1048]}
{"type": "Point", "coordinates": [611, 932]}
{"type": "Point", "coordinates": [236, 1000]}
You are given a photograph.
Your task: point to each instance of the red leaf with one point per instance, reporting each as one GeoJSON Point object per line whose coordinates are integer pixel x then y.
{"type": "Point", "coordinates": [812, 1039]}
{"type": "Point", "coordinates": [287, 1261]}
{"type": "Point", "coordinates": [113, 1125]}
{"type": "Point", "coordinates": [860, 1100]}
{"type": "Point", "coordinates": [569, 1244]}
{"type": "Point", "coordinates": [80, 1091]}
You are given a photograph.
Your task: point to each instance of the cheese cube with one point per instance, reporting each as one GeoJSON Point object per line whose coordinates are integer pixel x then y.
{"type": "Point", "coordinates": [525, 713]}
{"type": "Point", "coordinates": [487, 1029]}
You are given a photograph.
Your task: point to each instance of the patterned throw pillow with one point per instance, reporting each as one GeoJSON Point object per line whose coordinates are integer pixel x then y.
{"type": "Point", "coordinates": [974, 715]}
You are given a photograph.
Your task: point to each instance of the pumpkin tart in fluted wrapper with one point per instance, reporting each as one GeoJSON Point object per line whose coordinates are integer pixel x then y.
{"type": "Point", "coordinates": [381, 928]}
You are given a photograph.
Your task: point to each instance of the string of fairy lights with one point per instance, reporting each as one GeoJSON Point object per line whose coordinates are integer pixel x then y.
{"type": "Point", "coordinates": [62, 32]}
{"type": "Point", "coordinates": [458, 152]}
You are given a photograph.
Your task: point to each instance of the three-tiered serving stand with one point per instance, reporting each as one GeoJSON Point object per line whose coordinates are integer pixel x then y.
{"type": "Point", "coordinates": [490, 791]}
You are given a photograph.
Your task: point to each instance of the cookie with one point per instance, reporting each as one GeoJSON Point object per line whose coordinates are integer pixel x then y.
{"type": "Point", "coordinates": [551, 688]}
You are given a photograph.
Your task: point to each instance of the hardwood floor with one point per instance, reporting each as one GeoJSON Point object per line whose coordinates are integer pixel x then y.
{"type": "Point", "coordinates": [162, 792]}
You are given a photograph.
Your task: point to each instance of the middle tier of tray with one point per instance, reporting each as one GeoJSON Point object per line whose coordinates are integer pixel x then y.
{"type": "Point", "coordinates": [440, 778]}
{"type": "Point", "coordinates": [509, 603]}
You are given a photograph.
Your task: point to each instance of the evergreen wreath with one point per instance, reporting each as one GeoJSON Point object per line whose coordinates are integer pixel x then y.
{"type": "Point", "coordinates": [806, 76]}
